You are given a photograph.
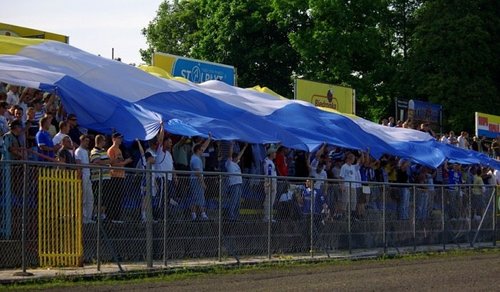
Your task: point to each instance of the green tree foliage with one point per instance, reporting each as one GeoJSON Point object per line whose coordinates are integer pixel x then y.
{"type": "Point", "coordinates": [174, 30]}
{"type": "Point", "coordinates": [397, 26]}
{"type": "Point", "coordinates": [339, 42]}
{"type": "Point", "coordinates": [445, 52]}
{"type": "Point", "coordinates": [454, 58]}
{"type": "Point", "coordinates": [232, 32]}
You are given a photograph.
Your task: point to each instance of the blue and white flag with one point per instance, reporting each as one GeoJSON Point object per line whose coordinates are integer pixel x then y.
{"type": "Point", "coordinates": [108, 95]}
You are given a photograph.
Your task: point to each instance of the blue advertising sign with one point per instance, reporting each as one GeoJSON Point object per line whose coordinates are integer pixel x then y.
{"type": "Point", "coordinates": [198, 72]}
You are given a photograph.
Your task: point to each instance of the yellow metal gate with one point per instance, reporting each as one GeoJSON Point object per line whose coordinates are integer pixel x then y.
{"type": "Point", "coordinates": [59, 217]}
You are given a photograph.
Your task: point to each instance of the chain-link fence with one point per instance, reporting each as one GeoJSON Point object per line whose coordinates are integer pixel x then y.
{"type": "Point", "coordinates": [142, 216]}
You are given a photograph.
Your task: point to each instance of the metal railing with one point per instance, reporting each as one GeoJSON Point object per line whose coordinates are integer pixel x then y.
{"type": "Point", "coordinates": [150, 219]}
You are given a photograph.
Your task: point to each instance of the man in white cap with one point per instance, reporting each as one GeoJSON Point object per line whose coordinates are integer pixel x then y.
{"type": "Point", "coordinates": [270, 184]}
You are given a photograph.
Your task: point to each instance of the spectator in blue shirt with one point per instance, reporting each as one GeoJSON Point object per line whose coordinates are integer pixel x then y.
{"type": "Point", "coordinates": [311, 201]}
{"type": "Point", "coordinates": [198, 186]}
{"type": "Point", "coordinates": [44, 141]}
{"type": "Point", "coordinates": [455, 194]}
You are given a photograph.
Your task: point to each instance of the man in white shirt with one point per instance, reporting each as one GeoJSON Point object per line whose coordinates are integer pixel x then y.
{"type": "Point", "coordinates": [167, 165]}
{"type": "Point", "coordinates": [497, 176]}
{"type": "Point", "coordinates": [156, 150]}
{"type": "Point", "coordinates": [82, 157]}
{"type": "Point", "coordinates": [444, 139]}
{"type": "Point", "coordinates": [462, 140]}
{"type": "Point", "coordinates": [320, 178]}
{"type": "Point", "coordinates": [349, 172]}
{"type": "Point", "coordinates": [63, 131]}
{"type": "Point", "coordinates": [270, 184]}
{"type": "Point", "coordinates": [12, 95]}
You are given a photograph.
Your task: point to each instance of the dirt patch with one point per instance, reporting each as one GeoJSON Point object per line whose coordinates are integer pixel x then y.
{"type": "Point", "coordinates": [459, 273]}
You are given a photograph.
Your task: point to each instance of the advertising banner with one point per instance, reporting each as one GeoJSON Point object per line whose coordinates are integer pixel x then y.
{"type": "Point", "coordinates": [487, 125]}
{"type": "Point", "coordinates": [196, 71]}
{"type": "Point", "coordinates": [401, 110]}
{"type": "Point", "coordinates": [20, 31]}
{"type": "Point", "coordinates": [326, 95]}
{"type": "Point", "coordinates": [422, 111]}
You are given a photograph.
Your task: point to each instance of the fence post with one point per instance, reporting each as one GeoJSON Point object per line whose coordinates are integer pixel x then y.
{"type": "Point", "coordinates": [149, 217]}
{"type": "Point", "coordinates": [23, 230]}
{"type": "Point", "coordinates": [219, 244]}
{"type": "Point", "coordinates": [349, 216]}
{"type": "Point", "coordinates": [166, 202]}
{"type": "Point", "coordinates": [269, 189]}
{"type": "Point", "coordinates": [384, 238]}
{"type": "Point", "coordinates": [414, 223]}
{"type": "Point", "coordinates": [99, 220]}
{"type": "Point", "coordinates": [469, 192]}
{"type": "Point", "coordinates": [311, 218]}
{"type": "Point", "coordinates": [443, 229]}
{"type": "Point", "coordinates": [491, 201]}
{"type": "Point", "coordinates": [495, 206]}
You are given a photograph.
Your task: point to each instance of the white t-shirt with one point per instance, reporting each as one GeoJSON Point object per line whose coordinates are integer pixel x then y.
{"type": "Point", "coordinates": [270, 169]}
{"type": "Point", "coordinates": [83, 155]}
{"type": "Point", "coordinates": [497, 176]}
{"type": "Point", "coordinates": [350, 173]}
{"type": "Point", "coordinates": [166, 162]}
{"type": "Point", "coordinates": [493, 178]}
{"type": "Point", "coordinates": [462, 142]}
{"type": "Point", "coordinates": [445, 140]}
{"type": "Point", "coordinates": [12, 98]}
{"type": "Point", "coordinates": [163, 162]}
{"type": "Point", "coordinates": [233, 168]}
{"type": "Point", "coordinates": [157, 155]}
{"type": "Point", "coordinates": [57, 138]}
{"type": "Point", "coordinates": [319, 183]}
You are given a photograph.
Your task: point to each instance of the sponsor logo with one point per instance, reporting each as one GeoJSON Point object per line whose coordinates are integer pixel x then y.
{"type": "Point", "coordinates": [328, 100]}
{"type": "Point", "coordinates": [196, 75]}
{"type": "Point", "coordinates": [199, 72]}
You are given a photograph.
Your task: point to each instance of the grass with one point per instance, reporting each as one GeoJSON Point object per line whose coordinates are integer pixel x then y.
{"type": "Point", "coordinates": [181, 274]}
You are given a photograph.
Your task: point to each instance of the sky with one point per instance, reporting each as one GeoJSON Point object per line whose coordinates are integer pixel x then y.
{"type": "Point", "coordinates": [95, 26]}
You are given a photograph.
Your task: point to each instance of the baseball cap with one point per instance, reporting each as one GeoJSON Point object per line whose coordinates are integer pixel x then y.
{"type": "Point", "coordinates": [117, 135]}
{"type": "Point", "coordinates": [271, 150]}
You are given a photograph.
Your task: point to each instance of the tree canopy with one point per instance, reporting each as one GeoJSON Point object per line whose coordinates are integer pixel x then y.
{"type": "Point", "coordinates": [445, 52]}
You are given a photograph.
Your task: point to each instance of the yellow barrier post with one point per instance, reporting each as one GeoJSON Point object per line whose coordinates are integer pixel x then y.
{"type": "Point", "coordinates": [60, 217]}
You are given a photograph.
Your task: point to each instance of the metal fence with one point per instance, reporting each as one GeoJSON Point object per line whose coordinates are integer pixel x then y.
{"type": "Point", "coordinates": [142, 216]}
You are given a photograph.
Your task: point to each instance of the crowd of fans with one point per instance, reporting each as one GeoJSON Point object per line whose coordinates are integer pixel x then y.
{"type": "Point", "coordinates": [479, 144]}
{"type": "Point", "coordinates": [331, 182]}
